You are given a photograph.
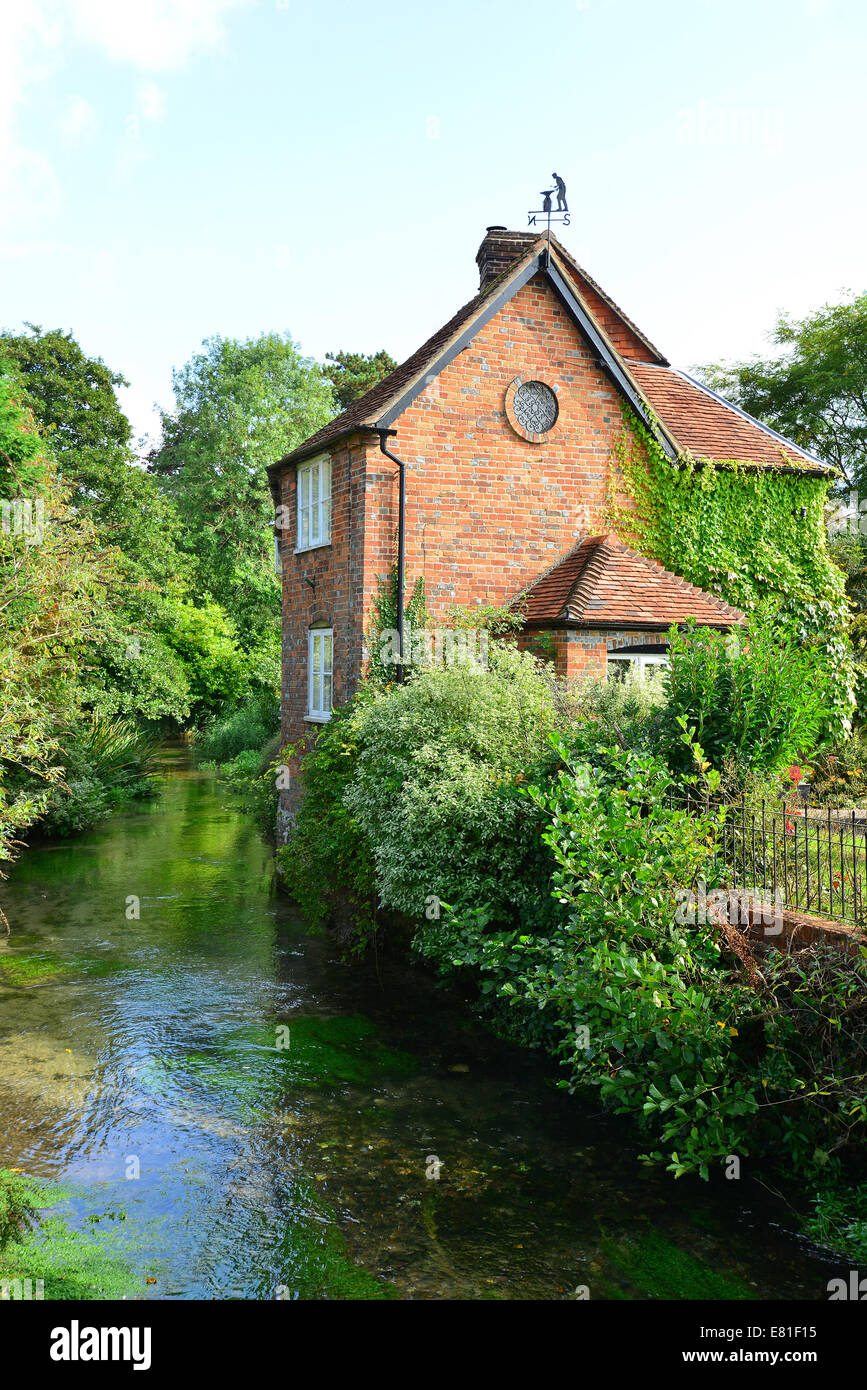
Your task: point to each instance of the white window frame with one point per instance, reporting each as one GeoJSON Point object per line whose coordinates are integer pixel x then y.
{"type": "Point", "coordinates": [313, 501]}
{"type": "Point", "coordinates": [641, 660]}
{"type": "Point", "coordinates": [317, 690]}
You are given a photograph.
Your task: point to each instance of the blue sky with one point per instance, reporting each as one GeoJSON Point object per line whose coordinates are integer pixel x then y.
{"type": "Point", "coordinates": [173, 169]}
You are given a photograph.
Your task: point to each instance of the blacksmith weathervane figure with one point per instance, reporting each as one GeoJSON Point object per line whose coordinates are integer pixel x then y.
{"type": "Point", "coordinates": [546, 211]}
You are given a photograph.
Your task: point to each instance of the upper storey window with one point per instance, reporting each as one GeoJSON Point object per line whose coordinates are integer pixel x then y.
{"type": "Point", "coordinates": [314, 503]}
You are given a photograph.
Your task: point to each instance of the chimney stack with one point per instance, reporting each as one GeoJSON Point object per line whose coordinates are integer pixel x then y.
{"type": "Point", "coordinates": [500, 249]}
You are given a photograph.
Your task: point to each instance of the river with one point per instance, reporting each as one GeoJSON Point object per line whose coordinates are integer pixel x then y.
{"type": "Point", "coordinates": [229, 1109]}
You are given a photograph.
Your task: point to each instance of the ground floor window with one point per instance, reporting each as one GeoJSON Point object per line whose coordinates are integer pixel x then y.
{"type": "Point", "coordinates": [638, 662]}
{"type": "Point", "coordinates": [319, 672]}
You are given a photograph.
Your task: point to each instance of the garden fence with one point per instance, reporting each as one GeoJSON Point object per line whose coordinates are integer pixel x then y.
{"type": "Point", "coordinates": [804, 858]}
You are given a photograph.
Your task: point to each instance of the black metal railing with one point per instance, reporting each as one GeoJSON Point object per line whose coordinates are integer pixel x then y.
{"type": "Point", "coordinates": [799, 857]}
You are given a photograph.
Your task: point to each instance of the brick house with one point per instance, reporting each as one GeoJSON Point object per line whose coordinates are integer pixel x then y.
{"type": "Point", "coordinates": [506, 421]}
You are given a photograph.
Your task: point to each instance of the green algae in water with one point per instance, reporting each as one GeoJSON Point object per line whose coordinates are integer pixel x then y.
{"type": "Point", "coordinates": [315, 1254]}
{"type": "Point", "coordinates": [26, 970]}
{"type": "Point", "coordinates": [316, 1052]}
{"type": "Point", "coordinates": [37, 968]}
{"type": "Point", "coordinates": [659, 1269]}
{"type": "Point", "coordinates": [345, 1049]}
{"type": "Point", "coordinates": [71, 1264]}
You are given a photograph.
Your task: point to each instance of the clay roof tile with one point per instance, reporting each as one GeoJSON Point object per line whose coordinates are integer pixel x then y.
{"type": "Point", "coordinates": [605, 583]}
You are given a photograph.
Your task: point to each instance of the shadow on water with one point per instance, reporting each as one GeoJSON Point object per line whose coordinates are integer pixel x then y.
{"type": "Point", "coordinates": [236, 1112]}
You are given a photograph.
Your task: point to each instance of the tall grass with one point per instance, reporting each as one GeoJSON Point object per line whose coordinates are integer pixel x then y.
{"type": "Point", "coordinates": [115, 750]}
{"type": "Point", "coordinates": [249, 725]}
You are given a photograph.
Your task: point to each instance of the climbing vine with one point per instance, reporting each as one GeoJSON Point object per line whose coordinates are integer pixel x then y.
{"type": "Point", "coordinates": [383, 618]}
{"type": "Point", "coordinates": [743, 534]}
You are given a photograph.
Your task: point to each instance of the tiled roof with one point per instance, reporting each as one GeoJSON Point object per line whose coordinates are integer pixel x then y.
{"type": "Point", "coordinates": [629, 340]}
{"type": "Point", "coordinates": [373, 404]}
{"type": "Point", "coordinates": [369, 407]}
{"type": "Point", "coordinates": [605, 583]}
{"type": "Point", "coordinates": [694, 417]}
{"type": "Point", "coordinates": [709, 427]}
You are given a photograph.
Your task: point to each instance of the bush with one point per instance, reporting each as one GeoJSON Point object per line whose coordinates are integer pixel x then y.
{"type": "Point", "coordinates": [540, 856]}
{"type": "Point", "coordinates": [104, 762]}
{"type": "Point", "coordinates": [628, 710]}
{"type": "Point", "coordinates": [650, 1007]}
{"type": "Point", "coordinates": [240, 728]}
{"type": "Point", "coordinates": [759, 698]}
{"type": "Point", "coordinates": [116, 751]}
{"type": "Point", "coordinates": [433, 786]}
{"type": "Point", "coordinates": [75, 805]}
{"type": "Point", "coordinates": [328, 864]}
{"type": "Point", "coordinates": [635, 1003]}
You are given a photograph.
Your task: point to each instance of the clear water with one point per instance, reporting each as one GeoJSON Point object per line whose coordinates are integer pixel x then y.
{"type": "Point", "coordinates": [307, 1170]}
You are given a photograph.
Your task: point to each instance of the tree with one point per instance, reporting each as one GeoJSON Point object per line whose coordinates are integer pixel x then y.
{"type": "Point", "coordinates": [238, 407]}
{"type": "Point", "coordinates": [73, 399]}
{"type": "Point", "coordinates": [141, 659]}
{"type": "Point", "coordinates": [353, 373]}
{"type": "Point", "coordinates": [815, 392]}
{"type": "Point", "coordinates": [51, 596]}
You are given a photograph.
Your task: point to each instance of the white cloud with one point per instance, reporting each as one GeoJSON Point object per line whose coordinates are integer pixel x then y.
{"type": "Point", "coordinates": [78, 121]}
{"type": "Point", "coordinates": [155, 35]}
{"type": "Point", "coordinates": [151, 101]}
{"type": "Point", "coordinates": [152, 35]}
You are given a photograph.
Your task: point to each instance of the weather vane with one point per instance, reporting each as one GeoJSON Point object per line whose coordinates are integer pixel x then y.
{"type": "Point", "coordinates": [546, 211]}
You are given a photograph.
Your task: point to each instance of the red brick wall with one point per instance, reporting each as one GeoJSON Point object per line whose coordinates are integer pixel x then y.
{"type": "Point", "coordinates": [487, 512]}
{"type": "Point", "coordinates": [586, 652]}
{"type": "Point", "coordinates": [336, 600]}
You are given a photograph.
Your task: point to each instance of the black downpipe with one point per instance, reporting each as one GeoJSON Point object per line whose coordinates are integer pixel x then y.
{"type": "Point", "coordinates": [401, 540]}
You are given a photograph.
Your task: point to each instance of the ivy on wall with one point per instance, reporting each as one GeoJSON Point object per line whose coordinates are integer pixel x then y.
{"type": "Point", "coordinates": [742, 533]}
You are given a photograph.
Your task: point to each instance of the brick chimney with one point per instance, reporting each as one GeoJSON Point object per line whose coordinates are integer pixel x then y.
{"type": "Point", "coordinates": [500, 249]}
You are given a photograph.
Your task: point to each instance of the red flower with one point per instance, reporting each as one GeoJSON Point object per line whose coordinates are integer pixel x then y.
{"type": "Point", "coordinates": [790, 827]}
{"type": "Point", "coordinates": [795, 773]}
